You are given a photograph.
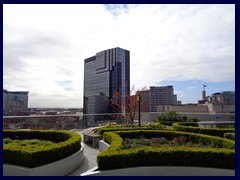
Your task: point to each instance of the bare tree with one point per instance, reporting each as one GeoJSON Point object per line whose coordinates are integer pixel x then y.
{"type": "Point", "coordinates": [128, 104]}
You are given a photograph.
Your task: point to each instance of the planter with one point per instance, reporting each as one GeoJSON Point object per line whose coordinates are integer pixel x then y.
{"type": "Point", "coordinates": [161, 171]}
{"type": "Point", "coordinates": [103, 145]}
{"type": "Point", "coordinates": [58, 168]}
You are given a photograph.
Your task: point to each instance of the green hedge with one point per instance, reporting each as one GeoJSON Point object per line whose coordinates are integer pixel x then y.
{"type": "Point", "coordinates": [66, 143]}
{"type": "Point", "coordinates": [102, 130]}
{"type": "Point", "coordinates": [208, 131]}
{"type": "Point", "coordinates": [169, 123]}
{"type": "Point", "coordinates": [114, 157]}
{"type": "Point", "coordinates": [230, 136]}
{"type": "Point", "coordinates": [166, 123]}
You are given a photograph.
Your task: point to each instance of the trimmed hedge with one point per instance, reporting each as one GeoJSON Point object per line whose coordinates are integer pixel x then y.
{"type": "Point", "coordinates": [102, 130]}
{"type": "Point", "coordinates": [116, 157]}
{"type": "Point", "coordinates": [166, 123]}
{"type": "Point", "coordinates": [66, 143]}
{"type": "Point", "coordinates": [230, 136]}
{"type": "Point", "coordinates": [208, 131]}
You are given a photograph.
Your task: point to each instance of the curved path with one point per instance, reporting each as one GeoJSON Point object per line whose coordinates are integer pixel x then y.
{"type": "Point", "coordinates": [89, 161]}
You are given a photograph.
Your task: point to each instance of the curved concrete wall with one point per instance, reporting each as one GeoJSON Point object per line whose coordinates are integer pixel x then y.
{"type": "Point", "coordinates": [58, 168]}
{"type": "Point", "coordinates": [103, 145]}
{"type": "Point", "coordinates": [162, 171]}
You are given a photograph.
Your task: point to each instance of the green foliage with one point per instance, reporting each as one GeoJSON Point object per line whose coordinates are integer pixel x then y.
{"type": "Point", "coordinates": [124, 128]}
{"type": "Point", "coordinates": [167, 118]}
{"type": "Point", "coordinates": [230, 136]}
{"type": "Point", "coordinates": [208, 131]}
{"type": "Point", "coordinates": [28, 143]}
{"type": "Point", "coordinates": [114, 140]}
{"type": "Point", "coordinates": [170, 116]}
{"type": "Point", "coordinates": [114, 157]}
{"type": "Point", "coordinates": [66, 143]}
{"type": "Point", "coordinates": [111, 124]}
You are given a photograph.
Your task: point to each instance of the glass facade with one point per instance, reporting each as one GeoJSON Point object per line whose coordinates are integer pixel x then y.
{"type": "Point", "coordinates": [14, 102]}
{"type": "Point", "coordinates": [229, 97]}
{"type": "Point", "coordinates": [105, 73]}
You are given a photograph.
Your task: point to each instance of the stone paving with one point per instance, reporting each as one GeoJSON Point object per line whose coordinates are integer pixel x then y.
{"type": "Point", "coordinates": [89, 161]}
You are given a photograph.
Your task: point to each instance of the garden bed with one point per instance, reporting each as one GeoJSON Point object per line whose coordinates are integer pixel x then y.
{"type": "Point", "coordinates": [161, 142]}
{"type": "Point", "coordinates": [65, 144]}
{"type": "Point", "coordinates": [116, 156]}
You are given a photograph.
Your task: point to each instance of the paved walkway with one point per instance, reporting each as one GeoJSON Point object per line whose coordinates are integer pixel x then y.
{"type": "Point", "coordinates": [89, 161]}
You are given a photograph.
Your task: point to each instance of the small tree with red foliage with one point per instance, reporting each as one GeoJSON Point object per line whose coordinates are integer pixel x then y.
{"type": "Point", "coordinates": [129, 103]}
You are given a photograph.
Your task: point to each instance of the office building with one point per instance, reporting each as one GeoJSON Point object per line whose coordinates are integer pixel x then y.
{"type": "Point", "coordinates": [229, 97]}
{"type": "Point", "coordinates": [15, 102]}
{"type": "Point", "coordinates": [162, 95]}
{"type": "Point", "coordinates": [105, 73]}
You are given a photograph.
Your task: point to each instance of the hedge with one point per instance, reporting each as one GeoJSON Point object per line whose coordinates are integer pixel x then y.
{"type": "Point", "coordinates": [208, 131]}
{"type": "Point", "coordinates": [116, 157]}
{"type": "Point", "coordinates": [102, 130]}
{"type": "Point", "coordinates": [230, 136]}
{"type": "Point", "coordinates": [66, 143]}
{"type": "Point", "coordinates": [198, 138]}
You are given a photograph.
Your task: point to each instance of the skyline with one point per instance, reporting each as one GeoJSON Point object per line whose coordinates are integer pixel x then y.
{"type": "Point", "coordinates": [169, 45]}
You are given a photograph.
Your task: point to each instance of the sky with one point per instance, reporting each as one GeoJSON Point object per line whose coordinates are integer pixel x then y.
{"type": "Point", "coordinates": [184, 45]}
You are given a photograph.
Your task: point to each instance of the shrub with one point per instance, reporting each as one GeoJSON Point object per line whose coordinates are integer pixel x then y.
{"type": "Point", "coordinates": [66, 143]}
{"type": "Point", "coordinates": [208, 131]}
{"type": "Point", "coordinates": [123, 128]}
{"type": "Point", "coordinates": [230, 136]}
{"type": "Point", "coordinates": [167, 118]}
{"type": "Point", "coordinates": [114, 157]}
{"type": "Point", "coordinates": [170, 116]}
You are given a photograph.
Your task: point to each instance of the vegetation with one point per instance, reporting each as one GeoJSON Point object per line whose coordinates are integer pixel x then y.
{"type": "Point", "coordinates": [64, 143]}
{"type": "Point", "coordinates": [116, 156]}
{"type": "Point", "coordinates": [160, 142]}
{"type": "Point", "coordinates": [229, 136]}
{"type": "Point", "coordinates": [130, 103]}
{"type": "Point", "coordinates": [167, 118]}
{"type": "Point", "coordinates": [28, 143]}
{"type": "Point", "coordinates": [190, 127]}
{"type": "Point", "coordinates": [125, 127]}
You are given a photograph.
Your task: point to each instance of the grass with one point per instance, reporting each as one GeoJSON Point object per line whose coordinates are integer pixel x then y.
{"type": "Point", "coordinates": [28, 143]}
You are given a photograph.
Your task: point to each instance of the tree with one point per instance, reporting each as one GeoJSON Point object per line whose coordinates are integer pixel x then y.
{"type": "Point", "coordinates": [170, 116]}
{"type": "Point", "coordinates": [127, 103]}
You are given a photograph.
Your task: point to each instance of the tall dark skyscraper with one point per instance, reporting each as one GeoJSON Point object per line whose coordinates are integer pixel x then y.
{"type": "Point", "coordinates": [106, 72]}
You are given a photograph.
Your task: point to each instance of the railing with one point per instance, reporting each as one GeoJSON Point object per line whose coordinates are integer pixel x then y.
{"type": "Point", "coordinates": [83, 121]}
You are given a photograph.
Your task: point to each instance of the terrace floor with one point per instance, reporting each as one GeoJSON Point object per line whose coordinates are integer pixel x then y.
{"type": "Point", "coordinates": [89, 161]}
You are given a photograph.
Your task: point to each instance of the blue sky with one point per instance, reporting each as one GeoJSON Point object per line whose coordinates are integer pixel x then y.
{"type": "Point", "coordinates": [191, 91]}
{"type": "Point", "coordinates": [169, 44]}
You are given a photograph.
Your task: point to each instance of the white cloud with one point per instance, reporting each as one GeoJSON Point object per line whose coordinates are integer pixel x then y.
{"type": "Point", "coordinates": [45, 44]}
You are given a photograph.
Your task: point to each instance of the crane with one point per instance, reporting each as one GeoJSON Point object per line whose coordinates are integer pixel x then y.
{"type": "Point", "coordinates": [203, 91]}
{"type": "Point", "coordinates": [204, 84]}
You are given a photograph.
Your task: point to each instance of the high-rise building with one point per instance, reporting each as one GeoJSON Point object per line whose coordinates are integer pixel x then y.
{"type": "Point", "coordinates": [105, 73]}
{"type": "Point", "coordinates": [229, 97]}
{"type": "Point", "coordinates": [162, 95]}
{"type": "Point", "coordinates": [14, 102]}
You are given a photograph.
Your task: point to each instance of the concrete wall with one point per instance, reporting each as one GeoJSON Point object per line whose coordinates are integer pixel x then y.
{"type": "Point", "coordinates": [152, 117]}
{"type": "Point", "coordinates": [161, 171]}
{"type": "Point", "coordinates": [103, 145]}
{"type": "Point", "coordinates": [220, 108]}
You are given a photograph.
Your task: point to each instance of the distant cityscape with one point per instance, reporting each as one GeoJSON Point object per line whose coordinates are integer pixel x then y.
{"type": "Point", "coordinates": [107, 72]}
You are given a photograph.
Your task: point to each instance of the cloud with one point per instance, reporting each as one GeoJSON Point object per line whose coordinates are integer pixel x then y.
{"type": "Point", "coordinates": [166, 42]}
